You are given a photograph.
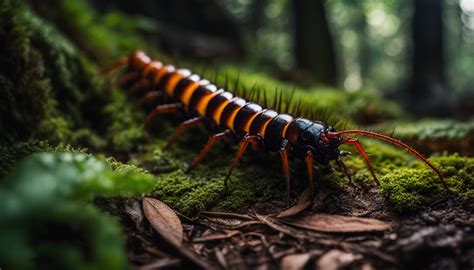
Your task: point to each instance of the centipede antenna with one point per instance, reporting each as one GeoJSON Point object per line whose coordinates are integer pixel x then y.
{"type": "Point", "coordinates": [397, 143]}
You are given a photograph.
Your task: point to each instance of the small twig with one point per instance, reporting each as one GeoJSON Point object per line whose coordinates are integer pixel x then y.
{"type": "Point", "coordinates": [162, 263]}
{"type": "Point", "coordinates": [215, 237]}
{"type": "Point", "coordinates": [226, 215]}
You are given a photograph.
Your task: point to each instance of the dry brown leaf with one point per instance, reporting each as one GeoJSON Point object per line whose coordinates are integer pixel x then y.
{"type": "Point", "coordinates": [295, 261]}
{"type": "Point", "coordinates": [336, 259]}
{"type": "Point", "coordinates": [338, 223]}
{"type": "Point", "coordinates": [221, 258]}
{"type": "Point", "coordinates": [164, 220]}
{"type": "Point", "coordinates": [303, 201]}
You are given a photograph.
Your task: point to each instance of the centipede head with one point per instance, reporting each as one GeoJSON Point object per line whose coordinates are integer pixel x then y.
{"type": "Point", "coordinates": [307, 135]}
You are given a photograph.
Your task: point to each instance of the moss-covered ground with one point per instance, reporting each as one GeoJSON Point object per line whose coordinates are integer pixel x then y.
{"type": "Point", "coordinates": [55, 100]}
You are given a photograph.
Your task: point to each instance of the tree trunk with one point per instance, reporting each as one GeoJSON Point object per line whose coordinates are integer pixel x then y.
{"type": "Point", "coordinates": [427, 91]}
{"type": "Point", "coordinates": [314, 49]}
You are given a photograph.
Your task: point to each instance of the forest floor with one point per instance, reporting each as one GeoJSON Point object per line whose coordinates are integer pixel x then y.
{"type": "Point", "coordinates": [436, 236]}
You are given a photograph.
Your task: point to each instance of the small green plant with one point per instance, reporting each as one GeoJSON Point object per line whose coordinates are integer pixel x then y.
{"type": "Point", "coordinates": [45, 212]}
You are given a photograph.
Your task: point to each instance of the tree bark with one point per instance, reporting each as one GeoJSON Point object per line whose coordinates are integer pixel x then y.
{"type": "Point", "coordinates": [314, 50]}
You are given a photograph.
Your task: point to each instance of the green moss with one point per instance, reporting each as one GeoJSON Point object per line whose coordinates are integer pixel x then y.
{"type": "Point", "coordinates": [435, 135]}
{"type": "Point", "coordinates": [193, 193]}
{"type": "Point", "coordinates": [124, 129]}
{"type": "Point", "coordinates": [433, 129]}
{"type": "Point", "coordinates": [405, 187]}
{"type": "Point", "coordinates": [104, 36]}
{"type": "Point", "coordinates": [39, 66]}
{"type": "Point", "coordinates": [254, 179]}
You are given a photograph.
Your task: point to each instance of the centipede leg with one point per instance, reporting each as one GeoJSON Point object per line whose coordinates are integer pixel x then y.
{"type": "Point", "coordinates": [254, 139]}
{"type": "Point", "coordinates": [160, 109]}
{"type": "Point", "coordinates": [119, 63]}
{"type": "Point", "coordinates": [138, 86]}
{"type": "Point", "coordinates": [343, 168]}
{"type": "Point", "coordinates": [309, 168]}
{"type": "Point", "coordinates": [286, 168]}
{"type": "Point", "coordinates": [128, 77]}
{"type": "Point", "coordinates": [182, 127]}
{"type": "Point", "coordinates": [207, 148]}
{"type": "Point", "coordinates": [150, 96]}
{"type": "Point", "coordinates": [362, 152]}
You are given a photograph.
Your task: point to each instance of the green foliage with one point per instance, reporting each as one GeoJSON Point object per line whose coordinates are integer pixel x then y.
{"type": "Point", "coordinates": [10, 154]}
{"type": "Point", "coordinates": [44, 212]}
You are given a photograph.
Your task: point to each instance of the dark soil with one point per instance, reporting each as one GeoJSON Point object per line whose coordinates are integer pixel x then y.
{"type": "Point", "coordinates": [437, 236]}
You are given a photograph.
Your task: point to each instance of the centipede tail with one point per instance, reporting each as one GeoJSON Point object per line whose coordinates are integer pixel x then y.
{"type": "Point", "coordinates": [311, 141]}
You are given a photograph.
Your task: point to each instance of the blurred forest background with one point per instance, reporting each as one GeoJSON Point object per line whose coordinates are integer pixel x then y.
{"type": "Point", "coordinates": [418, 52]}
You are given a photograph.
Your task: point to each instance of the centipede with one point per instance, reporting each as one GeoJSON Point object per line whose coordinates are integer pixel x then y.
{"type": "Point", "coordinates": [312, 141]}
